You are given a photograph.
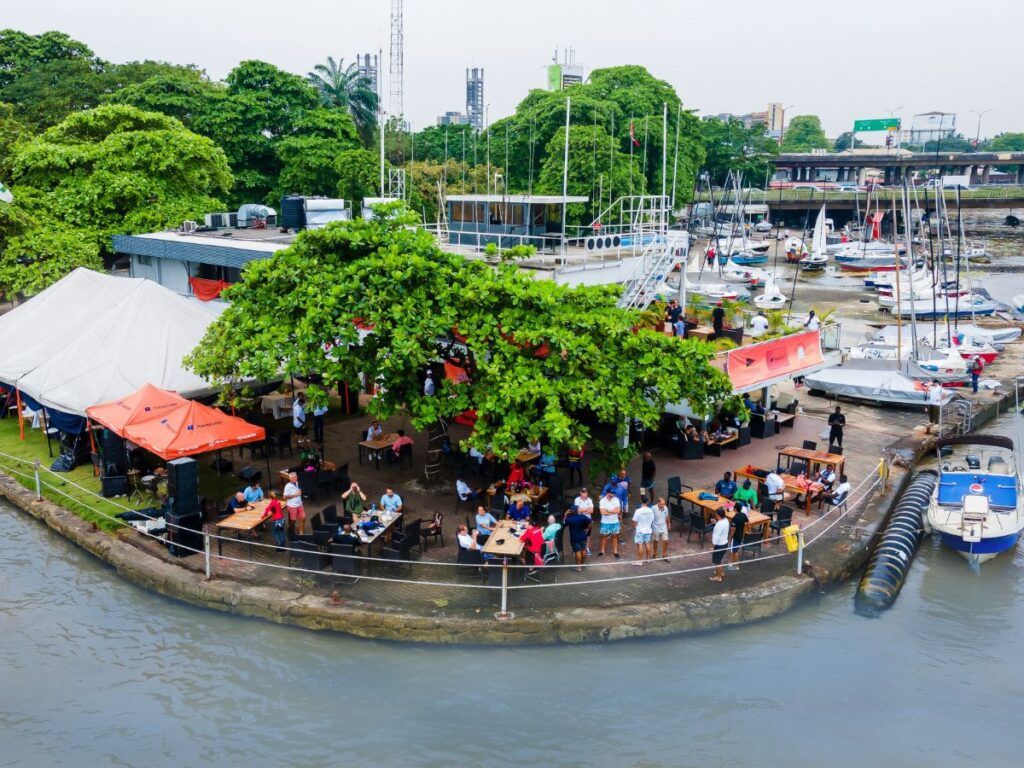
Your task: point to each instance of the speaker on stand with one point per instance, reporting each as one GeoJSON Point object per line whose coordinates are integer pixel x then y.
{"type": "Point", "coordinates": [183, 515]}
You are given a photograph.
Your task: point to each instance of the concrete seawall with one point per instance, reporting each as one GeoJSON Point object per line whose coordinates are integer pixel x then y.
{"type": "Point", "coordinates": [828, 563]}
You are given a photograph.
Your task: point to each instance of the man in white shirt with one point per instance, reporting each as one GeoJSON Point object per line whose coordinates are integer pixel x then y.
{"type": "Point", "coordinates": [466, 539]}
{"type": "Point", "coordinates": [719, 543]}
{"type": "Point", "coordinates": [934, 401]}
{"type": "Point", "coordinates": [838, 496]}
{"type": "Point", "coordinates": [813, 323]}
{"type": "Point", "coordinates": [391, 501]}
{"type": "Point", "coordinates": [611, 509]}
{"type": "Point", "coordinates": [299, 414]}
{"type": "Point", "coordinates": [643, 529]}
{"type": "Point", "coordinates": [465, 492]}
{"type": "Point", "coordinates": [585, 506]}
{"type": "Point", "coordinates": [775, 487]}
{"type": "Point", "coordinates": [758, 324]}
{"type": "Point", "coordinates": [293, 501]}
{"type": "Point", "coordinates": [659, 531]}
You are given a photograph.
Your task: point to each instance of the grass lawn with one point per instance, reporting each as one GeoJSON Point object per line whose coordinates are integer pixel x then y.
{"type": "Point", "coordinates": [18, 456]}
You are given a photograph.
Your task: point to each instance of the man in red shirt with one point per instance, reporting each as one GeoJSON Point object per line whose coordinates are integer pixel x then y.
{"type": "Point", "coordinates": [533, 537]}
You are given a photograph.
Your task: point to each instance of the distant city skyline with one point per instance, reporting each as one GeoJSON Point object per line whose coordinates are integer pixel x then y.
{"type": "Point", "coordinates": [811, 57]}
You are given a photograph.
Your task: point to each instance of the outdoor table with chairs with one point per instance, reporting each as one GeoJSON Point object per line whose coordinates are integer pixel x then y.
{"type": "Point", "coordinates": [325, 466]}
{"type": "Point", "coordinates": [382, 533]}
{"type": "Point", "coordinates": [811, 459]}
{"type": "Point", "coordinates": [533, 495]}
{"type": "Point", "coordinates": [280, 405]}
{"type": "Point", "coordinates": [809, 489]}
{"type": "Point", "coordinates": [504, 539]}
{"type": "Point", "coordinates": [374, 449]}
{"type": "Point", "coordinates": [708, 507]}
{"type": "Point", "coordinates": [244, 520]}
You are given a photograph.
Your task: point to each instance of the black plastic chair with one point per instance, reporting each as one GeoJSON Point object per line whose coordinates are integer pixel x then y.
{"type": "Point", "coordinates": [342, 560]}
{"type": "Point", "coordinates": [308, 485]}
{"type": "Point", "coordinates": [798, 468]}
{"type": "Point", "coordinates": [751, 544]}
{"type": "Point", "coordinates": [325, 480]}
{"type": "Point", "coordinates": [341, 479]}
{"type": "Point", "coordinates": [698, 526]}
{"type": "Point", "coordinates": [405, 452]}
{"type": "Point", "coordinates": [810, 445]}
{"type": "Point", "coordinates": [675, 487]}
{"type": "Point", "coordinates": [783, 520]}
{"type": "Point", "coordinates": [283, 443]}
{"type": "Point", "coordinates": [434, 533]}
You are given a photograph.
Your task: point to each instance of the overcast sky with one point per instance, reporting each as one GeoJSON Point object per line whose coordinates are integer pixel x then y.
{"type": "Point", "coordinates": [839, 60]}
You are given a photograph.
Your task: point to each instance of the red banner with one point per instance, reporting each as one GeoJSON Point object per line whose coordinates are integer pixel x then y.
{"type": "Point", "coordinates": [761, 364]}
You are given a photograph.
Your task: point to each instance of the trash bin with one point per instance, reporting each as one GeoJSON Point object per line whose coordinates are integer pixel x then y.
{"type": "Point", "coordinates": [789, 533]}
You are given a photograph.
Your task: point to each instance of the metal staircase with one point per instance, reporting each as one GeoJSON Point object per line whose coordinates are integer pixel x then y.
{"type": "Point", "coordinates": [659, 257]}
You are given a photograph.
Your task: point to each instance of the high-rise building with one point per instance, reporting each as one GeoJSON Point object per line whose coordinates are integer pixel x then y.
{"type": "Point", "coordinates": [366, 65]}
{"type": "Point", "coordinates": [475, 98]}
{"type": "Point", "coordinates": [568, 72]}
{"type": "Point", "coordinates": [452, 118]}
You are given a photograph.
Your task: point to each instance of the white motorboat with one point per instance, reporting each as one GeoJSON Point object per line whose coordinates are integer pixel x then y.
{"type": "Point", "coordinates": [875, 381]}
{"type": "Point", "coordinates": [976, 508]}
{"type": "Point", "coordinates": [966, 306]}
{"type": "Point", "coordinates": [754, 276]}
{"type": "Point", "coordinates": [887, 298]}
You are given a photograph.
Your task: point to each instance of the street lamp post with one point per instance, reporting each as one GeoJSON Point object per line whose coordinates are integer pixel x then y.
{"type": "Point", "coordinates": [977, 135]}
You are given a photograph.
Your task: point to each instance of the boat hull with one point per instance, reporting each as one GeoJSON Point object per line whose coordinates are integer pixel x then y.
{"type": "Point", "coordinates": [979, 551]}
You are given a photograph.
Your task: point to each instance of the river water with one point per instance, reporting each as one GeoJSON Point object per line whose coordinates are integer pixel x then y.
{"type": "Point", "coordinates": [96, 672]}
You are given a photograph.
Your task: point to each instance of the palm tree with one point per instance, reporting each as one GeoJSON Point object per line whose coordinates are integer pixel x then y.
{"type": "Point", "coordinates": [347, 88]}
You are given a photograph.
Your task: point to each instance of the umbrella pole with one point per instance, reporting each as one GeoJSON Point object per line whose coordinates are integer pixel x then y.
{"type": "Point", "coordinates": [46, 431]}
{"type": "Point", "coordinates": [21, 418]}
{"type": "Point", "coordinates": [220, 477]}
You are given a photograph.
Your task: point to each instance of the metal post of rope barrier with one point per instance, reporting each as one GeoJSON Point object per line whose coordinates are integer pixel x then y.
{"type": "Point", "coordinates": [504, 614]}
{"type": "Point", "coordinates": [799, 552]}
{"type": "Point", "coordinates": [206, 550]}
{"type": "Point", "coordinates": [39, 483]}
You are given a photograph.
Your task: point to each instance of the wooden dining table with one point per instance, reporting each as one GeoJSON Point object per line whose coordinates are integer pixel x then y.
{"type": "Point", "coordinates": [325, 466]}
{"type": "Point", "coordinates": [814, 459]}
{"type": "Point", "coordinates": [755, 519]}
{"type": "Point", "coordinates": [504, 540]}
{"type": "Point", "coordinates": [245, 520]}
{"type": "Point", "coordinates": [374, 449]}
{"type": "Point", "coordinates": [810, 490]}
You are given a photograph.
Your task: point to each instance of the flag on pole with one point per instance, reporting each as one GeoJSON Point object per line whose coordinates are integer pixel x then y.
{"type": "Point", "coordinates": [632, 134]}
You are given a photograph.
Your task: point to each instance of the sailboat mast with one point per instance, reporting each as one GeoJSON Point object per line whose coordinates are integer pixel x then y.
{"type": "Point", "coordinates": [906, 234]}
{"type": "Point", "coordinates": [899, 306]}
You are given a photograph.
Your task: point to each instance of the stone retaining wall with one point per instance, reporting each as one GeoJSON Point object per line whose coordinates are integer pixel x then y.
{"type": "Point", "coordinates": [827, 564]}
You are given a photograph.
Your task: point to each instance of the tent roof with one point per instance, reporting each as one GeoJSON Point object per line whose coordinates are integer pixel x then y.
{"type": "Point", "coordinates": [149, 402]}
{"type": "Point", "coordinates": [92, 338]}
{"type": "Point", "coordinates": [191, 428]}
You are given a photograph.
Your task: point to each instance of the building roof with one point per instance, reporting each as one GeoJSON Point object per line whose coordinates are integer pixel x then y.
{"type": "Point", "coordinates": [270, 240]}
{"type": "Point", "coordinates": [539, 199]}
{"type": "Point", "coordinates": [219, 247]}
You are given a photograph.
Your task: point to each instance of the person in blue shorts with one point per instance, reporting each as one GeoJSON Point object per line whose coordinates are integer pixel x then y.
{"type": "Point", "coordinates": [611, 510]}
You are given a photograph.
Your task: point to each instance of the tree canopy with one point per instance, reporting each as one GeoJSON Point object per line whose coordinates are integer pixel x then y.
{"type": "Point", "coordinates": [110, 170]}
{"type": "Point", "coordinates": [730, 146]}
{"type": "Point", "coordinates": [347, 89]}
{"type": "Point", "coordinates": [543, 360]}
{"type": "Point", "coordinates": [803, 134]}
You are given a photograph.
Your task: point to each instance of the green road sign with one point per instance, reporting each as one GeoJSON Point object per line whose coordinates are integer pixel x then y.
{"type": "Point", "coordinates": [866, 126]}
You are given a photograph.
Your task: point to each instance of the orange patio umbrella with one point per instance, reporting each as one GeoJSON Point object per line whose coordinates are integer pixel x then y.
{"type": "Point", "coordinates": [147, 402]}
{"type": "Point", "coordinates": [192, 428]}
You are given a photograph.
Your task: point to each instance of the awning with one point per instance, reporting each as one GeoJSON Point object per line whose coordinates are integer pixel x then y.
{"type": "Point", "coordinates": [765, 363]}
{"type": "Point", "coordinates": [170, 430]}
{"type": "Point", "coordinates": [143, 404]}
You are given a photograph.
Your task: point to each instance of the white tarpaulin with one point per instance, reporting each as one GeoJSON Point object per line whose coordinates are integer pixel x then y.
{"type": "Point", "coordinates": [91, 338]}
{"type": "Point", "coordinates": [873, 380]}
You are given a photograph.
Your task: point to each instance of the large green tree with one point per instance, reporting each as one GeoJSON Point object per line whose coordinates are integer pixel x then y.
{"type": "Point", "coordinates": [186, 95]}
{"type": "Point", "coordinates": [543, 360]}
{"type": "Point", "coordinates": [308, 154]}
{"type": "Point", "coordinates": [348, 89]}
{"type": "Point", "coordinates": [20, 52]}
{"type": "Point", "coordinates": [114, 169]}
{"type": "Point", "coordinates": [730, 146]}
{"type": "Point", "coordinates": [803, 134]}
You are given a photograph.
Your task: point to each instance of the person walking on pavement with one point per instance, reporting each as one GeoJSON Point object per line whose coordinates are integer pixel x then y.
{"type": "Point", "coordinates": [976, 368]}
{"type": "Point", "coordinates": [836, 422]}
{"type": "Point", "coordinates": [718, 319]}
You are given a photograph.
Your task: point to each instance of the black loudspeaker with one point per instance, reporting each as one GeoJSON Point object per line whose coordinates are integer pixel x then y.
{"type": "Point", "coordinates": [184, 533]}
{"type": "Point", "coordinates": [114, 485]}
{"type": "Point", "coordinates": [183, 486]}
{"type": "Point", "coordinates": [113, 452]}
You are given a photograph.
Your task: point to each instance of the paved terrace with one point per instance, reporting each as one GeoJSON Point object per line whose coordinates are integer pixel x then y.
{"type": "Point", "coordinates": [449, 590]}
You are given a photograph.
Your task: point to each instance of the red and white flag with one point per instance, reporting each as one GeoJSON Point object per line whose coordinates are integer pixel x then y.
{"type": "Point", "coordinates": [632, 134]}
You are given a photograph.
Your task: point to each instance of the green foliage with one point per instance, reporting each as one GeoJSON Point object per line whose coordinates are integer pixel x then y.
{"type": "Point", "coordinates": [1005, 142]}
{"type": "Point", "coordinates": [110, 170]}
{"type": "Point", "coordinates": [347, 89]}
{"type": "Point", "coordinates": [11, 131]}
{"type": "Point", "coordinates": [593, 166]}
{"type": "Point", "coordinates": [517, 252]}
{"type": "Point", "coordinates": [729, 146]}
{"type": "Point", "coordinates": [431, 141]}
{"type": "Point", "coordinates": [954, 143]}
{"type": "Point", "coordinates": [20, 53]}
{"type": "Point", "coordinates": [543, 359]}
{"type": "Point", "coordinates": [309, 153]}
{"type": "Point", "coordinates": [846, 141]}
{"type": "Point", "coordinates": [803, 134]}
{"type": "Point", "coordinates": [456, 178]}
{"type": "Point", "coordinates": [185, 95]}
{"type": "Point", "coordinates": [358, 174]}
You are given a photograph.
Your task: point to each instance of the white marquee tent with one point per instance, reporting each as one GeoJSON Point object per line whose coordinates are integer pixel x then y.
{"type": "Point", "coordinates": [91, 338]}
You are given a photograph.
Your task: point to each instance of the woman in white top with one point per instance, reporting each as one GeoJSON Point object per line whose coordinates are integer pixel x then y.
{"type": "Point", "coordinates": [719, 543]}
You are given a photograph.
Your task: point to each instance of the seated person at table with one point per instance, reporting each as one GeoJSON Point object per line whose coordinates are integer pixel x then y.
{"type": "Point", "coordinates": [374, 432]}
{"type": "Point", "coordinates": [838, 496]}
{"type": "Point", "coordinates": [346, 535]}
{"type": "Point", "coordinates": [533, 538]}
{"type": "Point", "coordinates": [466, 493]}
{"type": "Point", "coordinates": [752, 406]}
{"type": "Point", "coordinates": [690, 433]}
{"type": "Point", "coordinates": [533, 446]}
{"type": "Point", "coordinates": [253, 493]}
{"type": "Point", "coordinates": [550, 534]}
{"type": "Point", "coordinates": [353, 500]}
{"type": "Point", "coordinates": [726, 486]}
{"type": "Point", "coordinates": [396, 447]}
{"type": "Point", "coordinates": [746, 494]}
{"type": "Point", "coordinates": [519, 510]}
{"type": "Point", "coordinates": [236, 503]}
{"type": "Point", "coordinates": [466, 539]}
{"type": "Point", "coordinates": [516, 476]}
{"type": "Point", "coordinates": [391, 501]}
{"type": "Point", "coordinates": [485, 523]}
{"type": "Point", "coordinates": [775, 486]}
{"type": "Point", "coordinates": [827, 477]}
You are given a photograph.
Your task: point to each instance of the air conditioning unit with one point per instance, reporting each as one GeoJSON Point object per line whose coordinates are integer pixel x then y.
{"type": "Point", "coordinates": [188, 227]}
{"type": "Point", "coordinates": [215, 220]}
{"type": "Point", "coordinates": [230, 219]}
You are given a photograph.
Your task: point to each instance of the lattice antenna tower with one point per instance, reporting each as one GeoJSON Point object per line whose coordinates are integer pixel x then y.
{"type": "Point", "coordinates": [397, 61]}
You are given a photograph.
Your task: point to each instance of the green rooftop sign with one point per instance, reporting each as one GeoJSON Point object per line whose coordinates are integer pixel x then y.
{"type": "Point", "coordinates": [866, 126]}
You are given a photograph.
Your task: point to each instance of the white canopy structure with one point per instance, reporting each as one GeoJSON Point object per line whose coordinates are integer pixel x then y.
{"type": "Point", "coordinates": [91, 338]}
